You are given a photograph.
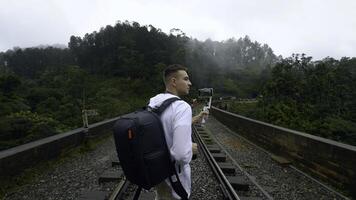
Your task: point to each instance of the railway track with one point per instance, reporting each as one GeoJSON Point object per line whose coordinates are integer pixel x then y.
{"type": "Point", "coordinates": [259, 177]}
{"type": "Point", "coordinates": [229, 180]}
{"type": "Point", "coordinates": [119, 190]}
{"type": "Point", "coordinates": [236, 184]}
{"type": "Point", "coordinates": [275, 176]}
{"type": "Point", "coordinates": [122, 189]}
{"type": "Point", "coordinates": [126, 190]}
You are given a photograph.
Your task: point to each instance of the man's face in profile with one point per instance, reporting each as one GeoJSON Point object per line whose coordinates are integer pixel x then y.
{"type": "Point", "coordinates": [182, 82]}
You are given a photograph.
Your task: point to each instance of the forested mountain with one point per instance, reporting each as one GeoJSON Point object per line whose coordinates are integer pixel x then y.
{"type": "Point", "coordinates": [232, 67]}
{"type": "Point", "coordinates": [116, 69]}
{"type": "Point", "coordinates": [134, 51]}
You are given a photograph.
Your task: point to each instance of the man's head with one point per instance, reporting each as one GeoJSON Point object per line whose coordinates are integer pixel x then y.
{"type": "Point", "coordinates": [177, 80]}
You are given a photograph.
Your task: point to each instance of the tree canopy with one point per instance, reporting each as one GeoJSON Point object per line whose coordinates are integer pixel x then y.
{"type": "Point", "coordinates": [116, 69]}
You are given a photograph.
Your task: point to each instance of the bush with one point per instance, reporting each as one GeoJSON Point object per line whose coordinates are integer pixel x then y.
{"type": "Point", "coordinates": [337, 129]}
{"type": "Point", "coordinates": [25, 126]}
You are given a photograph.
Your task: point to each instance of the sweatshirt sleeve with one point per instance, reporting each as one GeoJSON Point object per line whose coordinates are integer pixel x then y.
{"type": "Point", "coordinates": [181, 149]}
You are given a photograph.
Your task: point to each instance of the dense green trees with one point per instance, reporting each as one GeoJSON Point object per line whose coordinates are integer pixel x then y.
{"type": "Point", "coordinates": [30, 62]}
{"type": "Point", "coordinates": [132, 51]}
{"type": "Point", "coordinates": [315, 97]}
{"type": "Point", "coordinates": [125, 50]}
{"type": "Point", "coordinates": [34, 108]}
{"type": "Point", "coordinates": [116, 70]}
{"type": "Point", "coordinates": [235, 67]}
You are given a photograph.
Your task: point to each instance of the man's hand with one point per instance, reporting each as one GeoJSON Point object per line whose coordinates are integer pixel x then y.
{"type": "Point", "coordinates": [194, 150]}
{"type": "Point", "coordinates": [200, 116]}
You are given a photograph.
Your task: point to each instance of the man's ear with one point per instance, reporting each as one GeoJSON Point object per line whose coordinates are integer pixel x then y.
{"type": "Point", "coordinates": [174, 81]}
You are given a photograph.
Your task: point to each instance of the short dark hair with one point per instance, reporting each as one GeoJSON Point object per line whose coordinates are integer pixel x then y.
{"type": "Point", "coordinates": [171, 69]}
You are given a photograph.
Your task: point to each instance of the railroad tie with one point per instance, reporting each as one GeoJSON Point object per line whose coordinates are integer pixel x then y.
{"type": "Point", "coordinates": [238, 183]}
{"type": "Point", "coordinates": [219, 157]}
{"type": "Point", "coordinates": [146, 195]}
{"type": "Point", "coordinates": [208, 140]}
{"type": "Point", "coordinates": [250, 198]}
{"type": "Point", "coordinates": [199, 129]}
{"type": "Point", "coordinates": [227, 168]}
{"type": "Point", "coordinates": [93, 195]}
{"type": "Point", "coordinates": [111, 176]}
{"type": "Point", "coordinates": [198, 125]}
{"type": "Point", "coordinates": [204, 132]}
{"type": "Point", "coordinates": [115, 163]}
{"type": "Point", "coordinates": [203, 136]}
{"type": "Point", "coordinates": [280, 160]}
{"type": "Point", "coordinates": [212, 146]}
{"type": "Point", "coordinates": [214, 149]}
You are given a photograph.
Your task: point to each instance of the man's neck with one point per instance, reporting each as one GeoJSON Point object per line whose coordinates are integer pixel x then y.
{"type": "Point", "coordinates": [171, 91]}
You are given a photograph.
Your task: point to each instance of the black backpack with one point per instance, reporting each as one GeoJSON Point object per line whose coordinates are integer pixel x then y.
{"type": "Point", "coordinates": [142, 149]}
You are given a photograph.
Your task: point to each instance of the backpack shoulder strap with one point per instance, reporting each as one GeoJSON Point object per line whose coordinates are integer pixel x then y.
{"type": "Point", "coordinates": [165, 105]}
{"type": "Point", "coordinates": [177, 186]}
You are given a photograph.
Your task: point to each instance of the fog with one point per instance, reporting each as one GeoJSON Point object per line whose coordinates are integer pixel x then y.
{"type": "Point", "coordinates": [316, 27]}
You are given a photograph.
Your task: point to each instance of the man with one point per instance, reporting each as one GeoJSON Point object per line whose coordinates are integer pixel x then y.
{"type": "Point", "coordinates": [177, 120]}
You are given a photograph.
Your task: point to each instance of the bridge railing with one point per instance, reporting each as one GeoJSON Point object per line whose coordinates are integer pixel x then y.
{"type": "Point", "coordinates": [16, 159]}
{"type": "Point", "coordinates": [332, 161]}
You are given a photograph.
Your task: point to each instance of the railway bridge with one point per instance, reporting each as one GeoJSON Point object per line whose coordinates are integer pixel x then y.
{"type": "Point", "coordinates": [239, 158]}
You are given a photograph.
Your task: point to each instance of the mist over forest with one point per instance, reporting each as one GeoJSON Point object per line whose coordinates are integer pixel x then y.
{"type": "Point", "coordinates": [117, 69]}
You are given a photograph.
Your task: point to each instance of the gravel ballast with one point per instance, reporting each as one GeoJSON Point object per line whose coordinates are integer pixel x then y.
{"type": "Point", "coordinates": [72, 176]}
{"type": "Point", "coordinates": [280, 182]}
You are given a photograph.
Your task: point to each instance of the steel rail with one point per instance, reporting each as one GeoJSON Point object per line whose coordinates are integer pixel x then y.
{"type": "Point", "coordinates": [290, 166]}
{"type": "Point", "coordinates": [120, 189]}
{"type": "Point", "coordinates": [227, 188]}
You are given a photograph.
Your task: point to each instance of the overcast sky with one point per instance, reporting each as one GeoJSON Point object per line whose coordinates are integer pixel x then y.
{"type": "Point", "coordinates": [318, 28]}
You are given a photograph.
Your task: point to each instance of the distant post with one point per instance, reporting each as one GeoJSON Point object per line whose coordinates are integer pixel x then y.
{"type": "Point", "coordinates": [85, 114]}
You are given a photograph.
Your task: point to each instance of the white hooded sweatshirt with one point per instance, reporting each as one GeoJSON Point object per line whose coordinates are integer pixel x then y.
{"type": "Point", "coordinates": [177, 122]}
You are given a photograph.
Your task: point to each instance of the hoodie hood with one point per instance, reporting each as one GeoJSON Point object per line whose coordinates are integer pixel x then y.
{"type": "Point", "coordinates": [157, 100]}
